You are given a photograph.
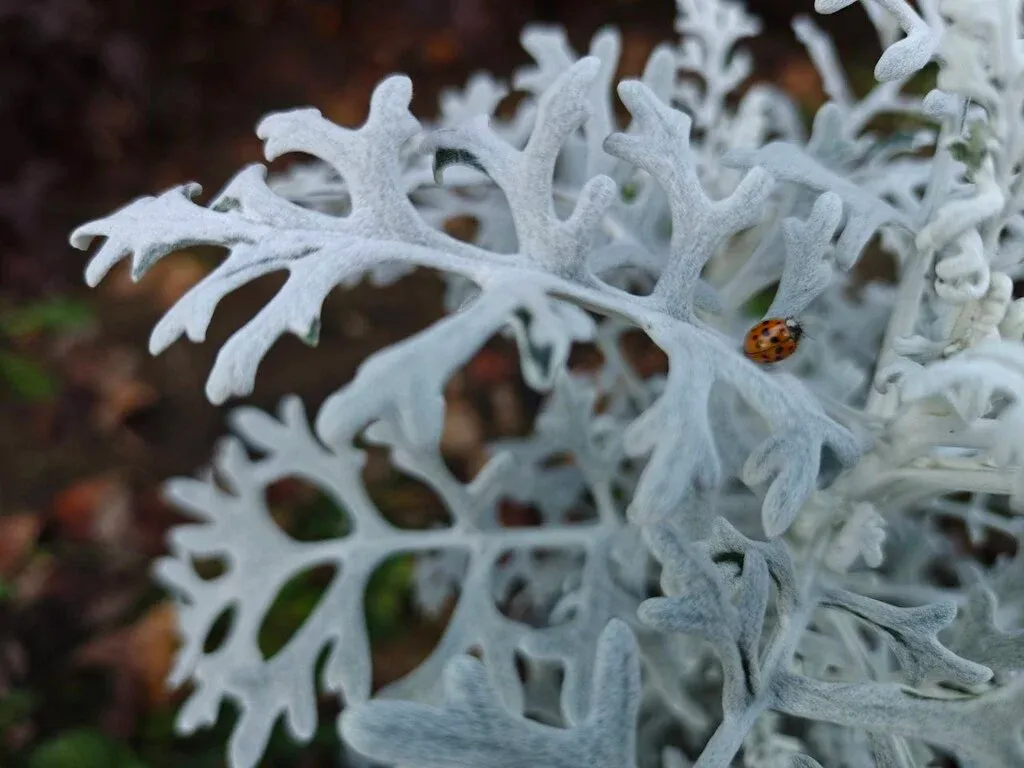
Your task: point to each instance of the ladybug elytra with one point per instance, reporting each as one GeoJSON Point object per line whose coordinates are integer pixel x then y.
{"type": "Point", "coordinates": [773, 339]}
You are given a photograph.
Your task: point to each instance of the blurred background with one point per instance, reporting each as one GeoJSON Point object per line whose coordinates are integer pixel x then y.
{"type": "Point", "coordinates": [102, 101]}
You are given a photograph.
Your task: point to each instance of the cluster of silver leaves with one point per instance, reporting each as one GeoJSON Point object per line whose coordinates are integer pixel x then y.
{"type": "Point", "coordinates": [785, 520]}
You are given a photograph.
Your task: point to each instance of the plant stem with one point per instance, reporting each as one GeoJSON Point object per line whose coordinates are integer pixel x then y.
{"type": "Point", "coordinates": [728, 737]}
{"type": "Point", "coordinates": [913, 281]}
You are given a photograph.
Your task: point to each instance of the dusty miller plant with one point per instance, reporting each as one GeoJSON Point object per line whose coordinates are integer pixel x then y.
{"type": "Point", "coordinates": [761, 578]}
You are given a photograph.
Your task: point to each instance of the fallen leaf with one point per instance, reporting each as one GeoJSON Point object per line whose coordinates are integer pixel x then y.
{"type": "Point", "coordinates": [36, 579]}
{"type": "Point", "coordinates": [291, 491]}
{"type": "Point", "coordinates": [512, 514]}
{"type": "Point", "coordinates": [173, 278]}
{"type": "Point", "coordinates": [464, 227]}
{"type": "Point", "coordinates": [155, 643]}
{"type": "Point", "coordinates": [143, 652]}
{"type": "Point", "coordinates": [441, 49]}
{"type": "Point", "coordinates": [122, 398]}
{"type": "Point", "coordinates": [18, 535]}
{"type": "Point", "coordinates": [800, 79]}
{"type": "Point", "coordinates": [399, 655]}
{"type": "Point", "coordinates": [636, 49]}
{"type": "Point", "coordinates": [113, 376]}
{"type": "Point", "coordinates": [165, 282]}
{"type": "Point", "coordinates": [490, 367]}
{"type": "Point", "coordinates": [463, 431]}
{"type": "Point", "coordinates": [97, 509]}
{"type": "Point", "coordinates": [507, 407]}
{"type": "Point", "coordinates": [348, 107]}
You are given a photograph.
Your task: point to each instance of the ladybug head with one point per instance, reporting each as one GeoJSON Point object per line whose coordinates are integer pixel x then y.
{"type": "Point", "coordinates": [795, 328]}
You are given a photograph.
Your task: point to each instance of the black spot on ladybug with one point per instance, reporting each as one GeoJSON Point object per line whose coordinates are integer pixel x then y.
{"type": "Point", "coordinates": [774, 339]}
{"type": "Point", "coordinates": [766, 332]}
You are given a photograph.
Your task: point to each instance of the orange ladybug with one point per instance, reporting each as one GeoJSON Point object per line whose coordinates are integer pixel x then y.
{"type": "Point", "coordinates": [773, 339]}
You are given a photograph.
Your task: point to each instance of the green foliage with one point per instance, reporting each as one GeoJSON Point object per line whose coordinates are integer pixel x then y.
{"type": "Point", "coordinates": [26, 379]}
{"type": "Point", "coordinates": [161, 747]}
{"type": "Point", "coordinates": [319, 519]}
{"type": "Point", "coordinates": [22, 376]}
{"type": "Point", "coordinates": [295, 602]}
{"type": "Point", "coordinates": [15, 706]}
{"type": "Point", "coordinates": [58, 314]}
{"type": "Point", "coordinates": [83, 749]}
{"type": "Point", "coordinates": [760, 303]}
{"type": "Point", "coordinates": [387, 596]}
